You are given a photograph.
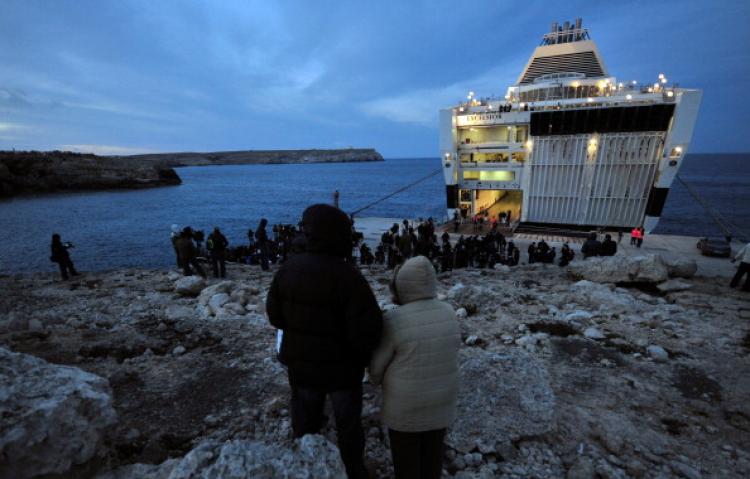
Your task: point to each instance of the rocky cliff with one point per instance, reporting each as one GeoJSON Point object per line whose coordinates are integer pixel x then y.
{"type": "Point", "coordinates": [263, 156]}
{"type": "Point", "coordinates": [41, 172]}
{"type": "Point", "coordinates": [565, 372]}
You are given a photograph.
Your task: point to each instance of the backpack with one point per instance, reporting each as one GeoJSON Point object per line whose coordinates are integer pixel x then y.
{"type": "Point", "coordinates": [210, 243]}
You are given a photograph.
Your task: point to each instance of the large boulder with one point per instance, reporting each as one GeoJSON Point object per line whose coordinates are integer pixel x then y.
{"type": "Point", "coordinates": [189, 285]}
{"type": "Point", "coordinates": [218, 288]}
{"type": "Point", "coordinates": [681, 267]}
{"type": "Point", "coordinates": [53, 417]}
{"type": "Point", "coordinates": [502, 397]}
{"type": "Point", "coordinates": [311, 457]}
{"type": "Point", "coordinates": [620, 269]}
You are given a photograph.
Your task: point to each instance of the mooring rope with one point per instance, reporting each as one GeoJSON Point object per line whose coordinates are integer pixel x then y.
{"type": "Point", "coordinates": [717, 217]}
{"type": "Point", "coordinates": [395, 192]}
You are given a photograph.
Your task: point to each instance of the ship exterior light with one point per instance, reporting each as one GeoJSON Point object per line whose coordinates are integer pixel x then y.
{"type": "Point", "coordinates": [678, 149]}
{"type": "Point", "coordinates": [661, 75]}
{"type": "Point", "coordinates": [575, 84]}
{"type": "Point", "coordinates": [628, 96]}
{"type": "Point", "coordinates": [663, 80]}
{"type": "Point", "coordinates": [529, 144]}
{"type": "Point", "coordinates": [634, 82]}
{"type": "Point", "coordinates": [589, 99]}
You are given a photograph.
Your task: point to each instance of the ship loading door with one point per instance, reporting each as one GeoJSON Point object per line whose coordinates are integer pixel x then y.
{"type": "Point", "coordinates": [592, 179]}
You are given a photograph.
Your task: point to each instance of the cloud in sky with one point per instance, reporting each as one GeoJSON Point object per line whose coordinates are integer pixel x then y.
{"type": "Point", "coordinates": [239, 74]}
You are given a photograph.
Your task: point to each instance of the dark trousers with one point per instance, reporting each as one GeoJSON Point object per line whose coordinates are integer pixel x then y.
{"type": "Point", "coordinates": [186, 263]}
{"type": "Point", "coordinates": [218, 265]}
{"type": "Point", "coordinates": [744, 269]}
{"type": "Point", "coordinates": [417, 454]}
{"type": "Point", "coordinates": [264, 254]}
{"type": "Point", "coordinates": [639, 242]}
{"type": "Point", "coordinates": [307, 418]}
{"type": "Point", "coordinates": [66, 266]}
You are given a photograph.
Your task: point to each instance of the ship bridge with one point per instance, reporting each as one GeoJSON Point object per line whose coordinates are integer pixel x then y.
{"type": "Point", "coordinates": [568, 144]}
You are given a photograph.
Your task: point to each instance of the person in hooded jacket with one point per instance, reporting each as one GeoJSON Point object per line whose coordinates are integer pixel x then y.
{"type": "Point", "coordinates": [417, 365]}
{"type": "Point", "coordinates": [217, 245]}
{"type": "Point", "coordinates": [331, 324]}
{"type": "Point", "coordinates": [173, 236]}
{"type": "Point", "coordinates": [61, 257]}
{"type": "Point", "coordinates": [188, 253]}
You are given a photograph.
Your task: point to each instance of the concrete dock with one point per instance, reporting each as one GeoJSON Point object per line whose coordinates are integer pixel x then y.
{"type": "Point", "coordinates": [668, 246]}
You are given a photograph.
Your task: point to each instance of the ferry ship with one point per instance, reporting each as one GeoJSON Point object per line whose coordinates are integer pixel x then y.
{"type": "Point", "coordinates": [568, 146]}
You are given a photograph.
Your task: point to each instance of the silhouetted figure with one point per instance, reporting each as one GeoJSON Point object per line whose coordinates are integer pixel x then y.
{"type": "Point", "coordinates": [743, 255]}
{"type": "Point", "coordinates": [566, 255]}
{"type": "Point", "coordinates": [261, 238]}
{"type": "Point", "coordinates": [591, 247]}
{"type": "Point", "coordinates": [641, 234]}
{"type": "Point", "coordinates": [336, 198]}
{"type": "Point", "coordinates": [188, 253]}
{"type": "Point", "coordinates": [173, 236]}
{"type": "Point", "coordinates": [217, 244]}
{"type": "Point", "coordinates": [61, 257]}
{"type": "Point", "coordinates": [609, 247]}
{"type": "Point", "coordinates": [532, 253]}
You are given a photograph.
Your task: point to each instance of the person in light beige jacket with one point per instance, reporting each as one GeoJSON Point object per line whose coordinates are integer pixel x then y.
{"type": "Point", "coordinates": [417, 364]}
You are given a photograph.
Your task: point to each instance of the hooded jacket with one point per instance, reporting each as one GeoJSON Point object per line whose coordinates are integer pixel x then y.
{"type": "Point", "coordinates": [417, 360]}
{"type": "Point", "coordinates": [330, 318]}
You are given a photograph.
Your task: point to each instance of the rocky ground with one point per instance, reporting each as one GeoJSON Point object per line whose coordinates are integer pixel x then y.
{"type": "Point", "coordinates": [564, 374]}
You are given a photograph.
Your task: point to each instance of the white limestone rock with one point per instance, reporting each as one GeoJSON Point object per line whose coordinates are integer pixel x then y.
{"type": "Point", "coordinates": [211, 291]}
{"type": "Point", "coordinates": [657, 353]}
{"type": "Point", "coordinates": [217, 301]}
{"type": "Point", "coordinates": [578, 316]}
{"type": "Point", "coordinates": [502, 395]}
{"type": "Point", "coordinates": [593, 333]}
{"type": "Point", "coordinates": [673, 285]}
{"type": "Point", "coordinates": [189, 285]}
{"type": "Point", "coordinates": [177, 312]}
{"type": "Point", "coordinates": [311, 457]}
{"type": "Point", "coordinates": [681, 267]}
{"type": "Point", "coordinates": [53, 417]}
{"type": "Point", "coordinates": [620, 269]}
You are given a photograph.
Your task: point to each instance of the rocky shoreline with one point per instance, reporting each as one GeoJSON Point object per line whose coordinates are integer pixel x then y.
{"type": "Point", "coordinates": [247, 157]}
{"type": "Point", "coordinates": [608, 368]}
{"type": "Point", "coordinates": [45, 172]}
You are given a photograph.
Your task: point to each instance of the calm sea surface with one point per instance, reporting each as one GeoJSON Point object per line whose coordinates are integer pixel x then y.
{"type": "Point", "coordinates": [131, 228]}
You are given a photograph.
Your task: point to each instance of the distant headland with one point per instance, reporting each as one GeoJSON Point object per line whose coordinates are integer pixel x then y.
{"type": "Point", "coordinates": [24, 172]}
{"type": "Point", "coordinates": [262, 157]}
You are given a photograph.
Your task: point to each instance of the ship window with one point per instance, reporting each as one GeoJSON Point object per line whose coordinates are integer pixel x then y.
{"type": "Point", "coordinates": [484, 175]}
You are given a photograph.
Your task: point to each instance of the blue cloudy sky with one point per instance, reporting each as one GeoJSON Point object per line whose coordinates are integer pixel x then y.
{"type": "Point", "coordinates": [118, 77]}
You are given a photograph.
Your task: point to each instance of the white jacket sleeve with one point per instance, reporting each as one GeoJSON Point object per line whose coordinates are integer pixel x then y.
{"type": "Point", "coordinates": [741, 253]}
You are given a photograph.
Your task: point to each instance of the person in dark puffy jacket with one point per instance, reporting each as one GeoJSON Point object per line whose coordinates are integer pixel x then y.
{"type": "Point", "coordinates": [331, 324]}
{"type": "Point", "coordinates": [592, 247]}
{"type": "Point", "coordinates": [61, 257]}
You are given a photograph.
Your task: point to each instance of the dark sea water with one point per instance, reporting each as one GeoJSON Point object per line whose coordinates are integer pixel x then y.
{"type": "Point", "coordinates": [113, 229]}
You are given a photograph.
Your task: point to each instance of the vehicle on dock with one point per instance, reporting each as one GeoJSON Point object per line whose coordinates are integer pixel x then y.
{"type": "Point", "coordinates": [715, 247]}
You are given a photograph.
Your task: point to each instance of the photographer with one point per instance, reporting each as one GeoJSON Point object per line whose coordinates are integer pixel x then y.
{"type": "Point", "coordinates": [61, 257]}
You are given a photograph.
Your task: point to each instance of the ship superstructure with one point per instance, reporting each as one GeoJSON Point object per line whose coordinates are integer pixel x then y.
{"type": "Point", "coordinates": [568, 144]}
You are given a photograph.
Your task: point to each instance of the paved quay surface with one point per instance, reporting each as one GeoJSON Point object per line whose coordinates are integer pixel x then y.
{"type": "Point", "coordinates": [668, 246]}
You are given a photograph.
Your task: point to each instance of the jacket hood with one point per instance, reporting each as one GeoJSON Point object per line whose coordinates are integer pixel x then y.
{"type": "Point", "coordinates": [415, 280]}
{"type": "Point", "coordinates": [327, 230]}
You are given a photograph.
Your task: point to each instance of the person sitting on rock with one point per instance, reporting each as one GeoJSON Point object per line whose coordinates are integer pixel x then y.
{"type": "Point", "coordinates": [592, 247]}
{"type": "Point", "coordinates": [188, 253]}
{"type": "Point", "coordinates": [61, 256]}
{"type": "Point", "coordinates": [417, 365]}
{"type": "Point", "coordinates": [609, 246]}
{"type": "Point", "coordinates": [332, 323]}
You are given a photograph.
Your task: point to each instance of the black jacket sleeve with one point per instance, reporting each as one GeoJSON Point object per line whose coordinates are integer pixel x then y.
{"type": "Point", "coordinates": [273, 305]}
{"type": "Point", "coordinates": [363, 318]}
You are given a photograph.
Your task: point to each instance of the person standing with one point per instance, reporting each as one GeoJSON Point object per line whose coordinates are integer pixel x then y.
{"type": "Point", "coordinates": [261, 239]}
{"type": "Point", "coordinates": [331, 324]}
{"type": "Point", "coordinates": [173, 236]}
{"type": "Point", "coordinates": [417, 365]}
{"type": "Point", "coordinates": [217, 245]}
{"type": "Point", "coordinates": [743, 255]}
{"type": "Point", "coordinates": [336, 198]}
{"type": "Point", "coordinates": [634, 236]}
{"type": "Point", "coordinates": [641, 234]}
{"type": "Point", "coordinates": [188, 253]}
{"type": "Point", "coordinates": [61, 256]}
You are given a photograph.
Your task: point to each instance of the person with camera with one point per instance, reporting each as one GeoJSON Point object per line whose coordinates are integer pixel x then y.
{"type": "Point", "coordinates": [61, 256]}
